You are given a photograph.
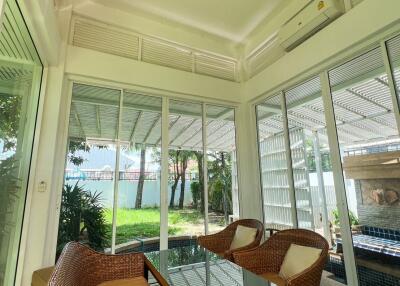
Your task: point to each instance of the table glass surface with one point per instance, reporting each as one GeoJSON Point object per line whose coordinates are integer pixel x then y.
{"type": "Point", "coordinates": [194, 265]}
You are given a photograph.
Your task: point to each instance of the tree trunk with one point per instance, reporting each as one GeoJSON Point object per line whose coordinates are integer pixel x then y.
{"type": "Point", "coordinates": [139, 193]}
{"type": "Point", "coordinates": [184, 160]}
{"type": "Point", "coordinates": [176, 179]}
{"type": "Point", "coordinates": [199, 157]}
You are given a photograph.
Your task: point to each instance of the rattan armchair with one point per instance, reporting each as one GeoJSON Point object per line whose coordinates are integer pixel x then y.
{"type": "Point", "coordinates": [79, 265]}
{"type": "Point", "coordinates": [220, 242]}
{"type": "Point", "coordinates": [266, 260]}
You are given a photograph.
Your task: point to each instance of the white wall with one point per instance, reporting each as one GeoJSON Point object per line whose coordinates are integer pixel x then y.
{"type": "Point", "coordinates": [138, 75]}
{"type": "Point", "coordinates": [368, 19]}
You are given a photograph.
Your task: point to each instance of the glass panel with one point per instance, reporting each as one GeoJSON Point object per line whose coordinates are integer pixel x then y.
{"type": "Point", "coordinates": [138, 213]}
{"type": "Point", "coordinates": [20, 78]}
{"type": "Point", "coordinates": [368, 139]}
{"type": "Point", "coordinates": [87, 197]}
{"type": "Point", "coordinates": [313, 178]}
{"type": "Point", "coordinates": [273, 165]}
{"type": "Point", "coordinates": [223, 205]}
{"type": "Point", "coordinates": [185, 188]}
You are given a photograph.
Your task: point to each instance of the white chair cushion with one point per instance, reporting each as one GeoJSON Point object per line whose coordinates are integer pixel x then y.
{"type": "Point", "coordinates": [243, 236]}
{"type": "Point", "coordinates": [297, 259]}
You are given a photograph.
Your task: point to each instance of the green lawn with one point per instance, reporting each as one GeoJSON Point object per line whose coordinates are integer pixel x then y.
{"type": "Point", "coordinates": [145, 223]}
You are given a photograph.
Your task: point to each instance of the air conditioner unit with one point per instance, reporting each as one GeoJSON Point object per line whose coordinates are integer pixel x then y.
{"type": "Point", "coordinates": [314, 16]}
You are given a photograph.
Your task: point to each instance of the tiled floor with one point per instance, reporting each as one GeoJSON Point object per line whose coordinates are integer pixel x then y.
{"type": "Point", "coordinates": [326, 281]}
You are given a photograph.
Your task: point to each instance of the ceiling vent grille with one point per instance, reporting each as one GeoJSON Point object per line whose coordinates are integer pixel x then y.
{"type": "Point", "coordinates": [106, 39]}
{"type": "Point", "coordinates": [157, 52]}
{"type": "Point", "coordinates": [266, 54]}
{"type": "Point", "coordinates": [215, 67]}
{"type": "Point", "coordinates": [91, 34]}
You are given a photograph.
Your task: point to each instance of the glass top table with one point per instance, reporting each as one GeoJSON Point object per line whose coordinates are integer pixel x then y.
{"type": "Point", "coordinates": [194, 265]}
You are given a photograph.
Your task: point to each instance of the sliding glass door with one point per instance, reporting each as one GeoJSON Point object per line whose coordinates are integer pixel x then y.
{"type": "Point", "coordinates": [329, 159]}
{"type": "Point", "coordinates": [365, 113]}
{"type": "Point", "coordinates": [112, 193]}
{"type": "Point", "coordinates": [20, 79]}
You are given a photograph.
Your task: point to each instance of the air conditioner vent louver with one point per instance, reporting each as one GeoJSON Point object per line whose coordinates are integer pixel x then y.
{"type": "Point", "coordinates": [215, 67]}
{"type": "Point", "coordinates": [105, 39]}
{"type": "Point", "coordinates": [92, 34]}
{"type": "Point", "coordinates": [160, 53]}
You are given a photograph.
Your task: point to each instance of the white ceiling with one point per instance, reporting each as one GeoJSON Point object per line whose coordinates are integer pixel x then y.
{"type": "Point", "coordinates": [230, 19]}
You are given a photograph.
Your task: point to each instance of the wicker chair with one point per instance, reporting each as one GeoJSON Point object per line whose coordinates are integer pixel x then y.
{"type": "Point", "coordinates": [79, 265]}
{"type": "Point", "coordinates": [220, 242]}
{"type": "Point", "coordinates": [266, 260]}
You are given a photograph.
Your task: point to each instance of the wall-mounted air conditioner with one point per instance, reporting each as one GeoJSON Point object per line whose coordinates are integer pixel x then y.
{"type": "Point", "coordinates": [313, 17]}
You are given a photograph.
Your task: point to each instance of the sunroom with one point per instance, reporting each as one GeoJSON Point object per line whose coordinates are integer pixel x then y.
{"type": "Point", "coordinates": [206, 143]}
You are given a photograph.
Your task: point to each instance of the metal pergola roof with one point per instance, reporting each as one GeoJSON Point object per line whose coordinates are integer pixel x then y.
{"type": "Point", "coordinates": [95, 111]}
{"type": "Point", "coordinates": [361, 98]}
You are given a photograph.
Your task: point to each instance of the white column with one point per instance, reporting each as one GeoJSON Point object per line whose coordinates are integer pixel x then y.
{"type": "Point", "coordinates": [345, 229]}
{"type": "Point", "coordinates": [321, 187]}
{"type": "Point", "coordinates": [247, 162]}
{"type": "Point", "coordinates": [292, 194]}
{"type": "Point", "coordinates": [164, 175]}
{"type": "Point", "coordinates": [116, 175]}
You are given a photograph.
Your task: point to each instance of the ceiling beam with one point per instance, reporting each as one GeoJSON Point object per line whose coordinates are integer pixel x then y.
{"type": "Point", "coordinates": [135, 126]}
{"type": "Point", "coordinates": [171, 142]}
{"type": "Point", "coordinates": [78, 121]}
{"type": "Point", "coordinates": [171, 125]}
{"type": "Point", "coordinates": [366, 99]}
{"type": "Point", "coordinates": [81, 98]}
{"type": "Point", "coordinates": [151, 129]}
{"type": "Point", "coordinates": [98, 120]}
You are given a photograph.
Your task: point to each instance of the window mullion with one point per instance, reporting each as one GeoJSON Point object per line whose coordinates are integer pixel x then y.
{"type": "Point", "coordinates": [340, 190]}
{"type": "Point", "coordinates": [288, 152]}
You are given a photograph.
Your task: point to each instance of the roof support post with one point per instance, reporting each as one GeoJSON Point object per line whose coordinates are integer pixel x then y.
{"type": "Point", "coordinates": [205, 168]}
{"type": "Point", "coordinates": [292, 194]}
{"type": "Point", "coordinates": [321, 187]}
{"type": "Point", "coordinates": [116, 176]}
{"type": "Point", "coordinates": [164, 174]}
{"type": "Point", "coordinates": [340, 189]}
{"type": "Point", "coordinates": [392, 84]}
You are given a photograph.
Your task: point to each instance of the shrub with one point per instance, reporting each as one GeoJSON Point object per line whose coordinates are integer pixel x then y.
{"type": "Point", "coordinates": [195, 189]}
{"type": "Point", "coordinates": [81, 218]}
{"type": "Point", "coordinates": [353, 219]}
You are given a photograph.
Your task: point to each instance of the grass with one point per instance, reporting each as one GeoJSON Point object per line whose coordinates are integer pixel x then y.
{"type": "Point", "coordinates": [145, 223]}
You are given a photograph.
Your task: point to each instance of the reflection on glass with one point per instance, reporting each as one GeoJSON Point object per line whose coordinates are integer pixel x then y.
{"type": "Point", "coordinates": [369, 143]}
{"type": "Point", "coordinates": [273, 165]}
{"type": "Point", "coordinates": [86, 212]}
{"type": "Point", "coordinates": [20, 78]}
{"type": "Point", "coordinates": [185, 188]}
{"type": "Point", "coordinates": [138, 213]}
{"type": "Point", "coordinates": [223, 205]}
{"type": "Point", "coordinates": [313, 178]}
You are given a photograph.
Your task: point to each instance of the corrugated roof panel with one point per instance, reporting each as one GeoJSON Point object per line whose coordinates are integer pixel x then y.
{"type": "Point", "coordinates": [357, 69]}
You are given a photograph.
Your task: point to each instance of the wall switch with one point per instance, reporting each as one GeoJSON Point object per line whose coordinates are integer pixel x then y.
{"type": "Point", "coordinates": [42, 186]}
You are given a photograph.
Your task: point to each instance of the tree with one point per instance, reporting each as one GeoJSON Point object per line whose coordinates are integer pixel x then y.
{"type": "Point", "coordinates": [199, 157]}
{"type": "Point", "coordinates": [220, 182]}
{"type": "Point", "coordinates": [139, 192]}
{"type": "Point", "coordinates": [185, 155]}
{"type": "Point", "coordinates": [174, 159]}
